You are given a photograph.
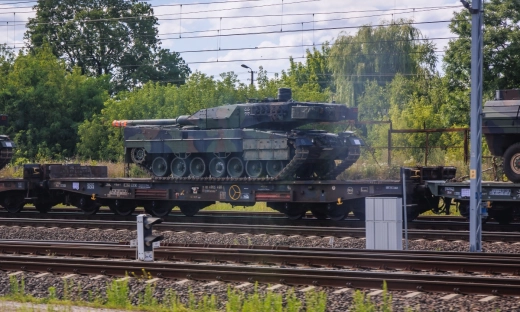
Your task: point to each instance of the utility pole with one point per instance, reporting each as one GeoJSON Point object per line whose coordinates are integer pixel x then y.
{"type": "Point", "coordinates": [250, 70]}
{"type": "Point", "coordinates": [477, 208]}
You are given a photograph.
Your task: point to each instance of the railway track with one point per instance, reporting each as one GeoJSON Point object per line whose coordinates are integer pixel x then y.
{"type": "Point", "coordinates": [448, 223]}
{"type": "Point", "coordinates": [255, 229]}
{"type": "Point", "coordinates": [304, 274]}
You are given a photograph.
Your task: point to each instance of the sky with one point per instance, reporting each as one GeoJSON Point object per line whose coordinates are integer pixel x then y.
{"type": "Point", "coordinates": [216, 36]}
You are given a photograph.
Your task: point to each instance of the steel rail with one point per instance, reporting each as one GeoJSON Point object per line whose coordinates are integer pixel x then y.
{"type": "Point", "coordinates": [255, 229]}
{"type": "Point", "coordinates": [268, 275]}
{"type": "Point", "coordinates": [490, 263]}
{"type": "Point", "coordinates": [424, 222]}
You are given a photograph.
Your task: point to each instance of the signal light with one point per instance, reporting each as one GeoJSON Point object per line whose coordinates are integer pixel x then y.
{"type": "Point", "coordinates": [145, 237]}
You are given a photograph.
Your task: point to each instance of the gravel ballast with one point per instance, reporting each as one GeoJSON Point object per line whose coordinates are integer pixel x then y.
{"type": "Point", "coordinates": [336, 302]}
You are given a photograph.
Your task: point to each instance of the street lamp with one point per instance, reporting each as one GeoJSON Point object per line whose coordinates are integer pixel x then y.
{"type": "Point", "coordinates": [251, 70]}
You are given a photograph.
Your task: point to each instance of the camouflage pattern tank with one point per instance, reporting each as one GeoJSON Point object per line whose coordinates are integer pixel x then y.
{"type": "Point", "coordinates": [6, 145]}
{"type": "Point", "coordinates": [501, 128]}
{"type": "Point", "coordinates": [261, 139]}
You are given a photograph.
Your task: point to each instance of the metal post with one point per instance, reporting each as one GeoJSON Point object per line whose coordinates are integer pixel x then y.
{"type": "Point", "coordinates": [390, 145]}
{"type": "Point", "coordinates": [403, 176]}
{"type": "Point", "coordinates": [252, 77]}
{"type": "Point", "coordinates": [475, 213]}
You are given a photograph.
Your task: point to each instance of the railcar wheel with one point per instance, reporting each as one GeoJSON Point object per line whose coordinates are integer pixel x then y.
{"type": "Point", "coordinates": [254, 168]}
{"type": "Point", "coordinates": [122, 207]}
{"type": "Point", "coordinates": [235, 167]}
{"type": "Point", "coordinates": [13, 203]}
{"type": "Point", "coordinates": [512, 163]}
{"type": "Point", "coordinates": [179, 167]}
{"type": "Point", "coordinates": [87, 205]}
{"type": "Point", "coordinates": [189, 209]}
{"type": "Point", "coordinates": [159, 167]}
{"type": "Point", "coordinates": [319, 213]}
{"type": "Point", "coordinates": [274, 167]}
{"type": "Point", "coordinates": [158, 208]}
{"type": "Point", "coordinates": [198, 167]}
{"type": "Point", "coordinates": [43, 208]}
{"type": "Point", "coordinates": [217, 167]}
{"type": "Point", "coordinates": [338, 213]}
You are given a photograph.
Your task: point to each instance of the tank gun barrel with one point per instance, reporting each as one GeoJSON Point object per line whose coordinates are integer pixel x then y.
{"type": "Point", "coordinates": [144, 122]}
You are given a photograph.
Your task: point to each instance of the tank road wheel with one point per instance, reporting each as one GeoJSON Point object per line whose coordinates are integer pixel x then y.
{"type": "Point", "coordinates": [254, 168]}
{"type": "Point", "coordinates": [88, 206]}
{"type": "Point", "coordinates": [512, 163]}
{"type": "Point", "coordinates": [235, 167]}
{"type": "Point", "coordinates": [159, 167]}
{"type": "Point", "coordinates": [158, 208]}
{"type": "Point", "coordinates": [179, 167]}
{"type": "Point", "coordinates": [13, 203]}
{"type": "Point", "coordinates": [138, 155]}
{"type": "Point", "coordinates": [217, 167]}
{"type": "Point", "coordinates": [197, 167]}
{"type": "Point", "coordinates": [122, 207]}
{"type": "Point", "coordinates": [274, 167]}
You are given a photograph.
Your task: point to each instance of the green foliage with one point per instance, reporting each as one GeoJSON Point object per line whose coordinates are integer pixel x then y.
{"type": "Point", "coordinates": [107, 37]}
{"type": "Point", "coordinates": [501, 46]}
{"type": "Point", "coordinates": [377, 53]}
{"type": "Point", "coordinates": [16, 287]}
{"type": "Point", "coordinates": [363, 303]}
{"type": "Point", "coordinates": [46, 103]}
{"type": "Point", "coordinates": [117, 294]}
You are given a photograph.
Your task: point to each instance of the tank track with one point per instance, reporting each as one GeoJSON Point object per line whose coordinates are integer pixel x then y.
{"type": "Point", "coordinates": [354, 153]}
{"type": "Point", "coordinates": [300, 157]}
{"type": "Point", "coordinates": [298, 160]}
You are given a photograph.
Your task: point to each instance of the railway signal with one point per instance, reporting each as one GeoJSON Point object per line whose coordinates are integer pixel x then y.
{"type": "Point", "coordinates": [145, 237]}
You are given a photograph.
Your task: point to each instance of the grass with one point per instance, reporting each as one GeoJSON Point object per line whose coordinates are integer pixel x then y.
{"type": "Point", "coordinates": [118, 296]}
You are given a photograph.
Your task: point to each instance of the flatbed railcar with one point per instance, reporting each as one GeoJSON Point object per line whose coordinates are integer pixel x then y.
{"type": "Point", "coordinates": [502, 198]}
{"type": "Point", "coordinates": [88, 188]}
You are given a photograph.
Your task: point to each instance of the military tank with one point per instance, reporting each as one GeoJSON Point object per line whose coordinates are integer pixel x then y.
{"type": "Point", "coordinates": [501, 128]}
{"type": "Point", "coordinates": [258, 139]}
{"type": "Point", "coordinates": [6, 145]}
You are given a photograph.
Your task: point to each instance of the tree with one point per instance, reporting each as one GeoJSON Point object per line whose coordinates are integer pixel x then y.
{"type": "Point", "coordinates": [45, 104]}
{"type": "Point", "coordinates": [378, 53]}
{"type": "Point", "coordinates": [115, 37]}
{"type": "Point", "coordinates": [501, 48]}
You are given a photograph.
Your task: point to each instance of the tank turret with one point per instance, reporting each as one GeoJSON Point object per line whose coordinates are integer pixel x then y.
{"type": "Point", "coordinates": [250, 140]}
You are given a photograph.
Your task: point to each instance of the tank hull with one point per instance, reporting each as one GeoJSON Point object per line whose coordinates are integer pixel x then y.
{"type": "Point", "coordinates": [260, 153]}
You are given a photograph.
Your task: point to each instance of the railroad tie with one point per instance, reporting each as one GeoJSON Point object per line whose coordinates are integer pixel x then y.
{"type": "Point", "coordinates": [68, 276]}
{"type": "Point", "coordinates": [15, 273]}
{"type": "Point", "coordinates": [413, 294]}
{"type": "Point", "coordinates": [211, 283]}
{"type": "Point", "coordinates": [306, 289]}
{"type": "Point", "coordinates": [182, 282]}
{"type": "Point", "coordinates": [340, 291]}
{"type": "Point", "coordinates": [488, 298]}
{"type": "Point", "coordinates": [97, 277]}
{"type": "Point", "coordinates": [450, 296]}
{"type": "Point", "coordinates": [42, 274]}
{"type": "Point", "coordinates": [375, 292]}
{"type": "Point", "coordinates": [274, 287]}
{"type": "Point", "coordinates": [243, 285]}
{"type": "Point", "coordinates": [153, 280]}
